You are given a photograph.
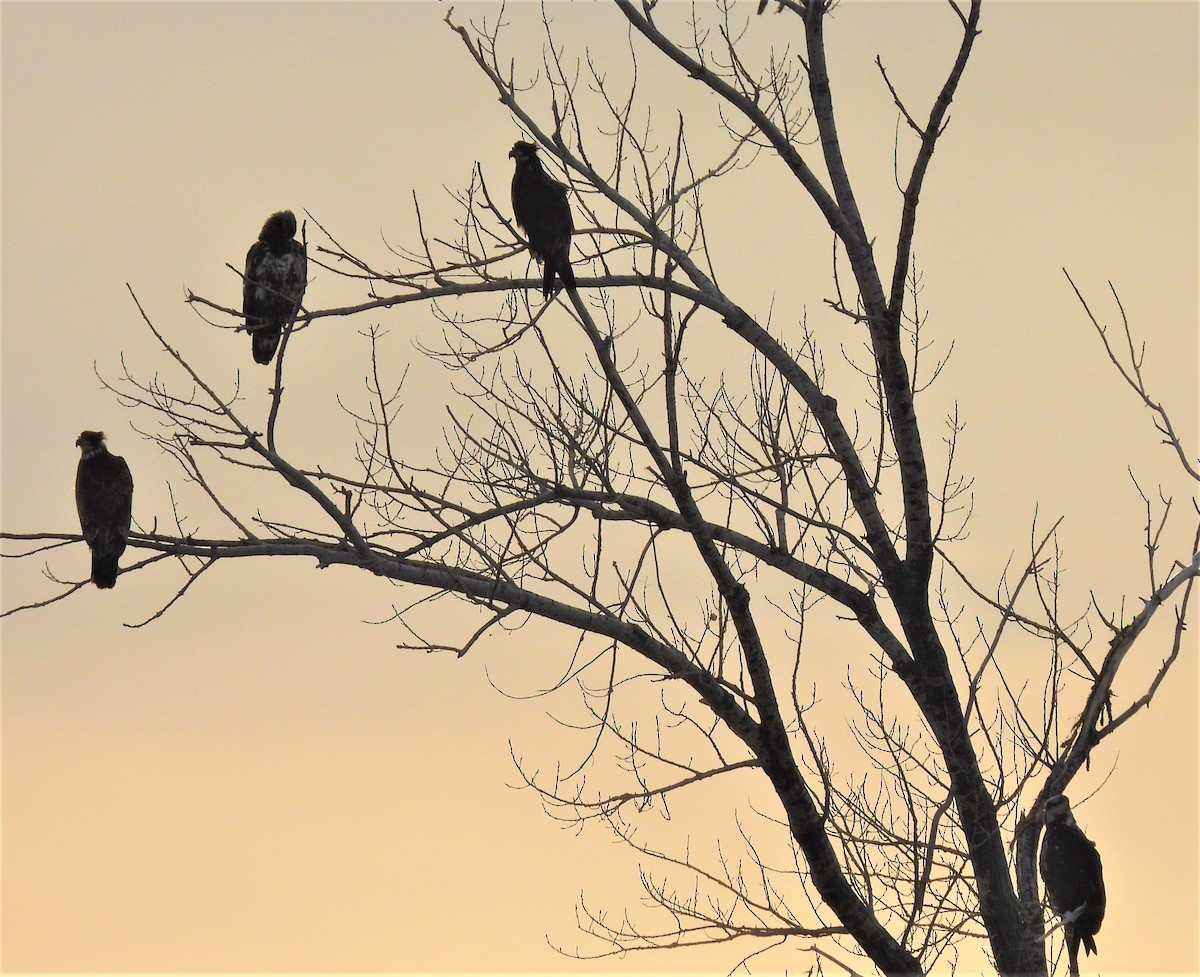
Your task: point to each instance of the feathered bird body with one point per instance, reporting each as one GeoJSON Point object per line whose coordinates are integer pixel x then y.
{"type": "Point", "coordinates": [542, 212]}
{"type": "Point", "coordinates": [104, 498]}
{"type": "Point", "coordinates": [276, 275]}
{"type": "Point", "coordinates": [1073, 875]}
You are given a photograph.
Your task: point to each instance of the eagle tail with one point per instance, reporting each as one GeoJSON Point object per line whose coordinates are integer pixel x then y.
{"type": "Point", "coordinates": [561, 266]}
{"type": "Point", "coordinates": [1073, 953]}
{"type": "Point", "coordinates": [566, 274]}
{"type": "Point", "coordinates": [264, 341]}
{"type": "Point", "coordinates": [104, 570]}
{"type": "Point", "coordinates": [1089, 944]}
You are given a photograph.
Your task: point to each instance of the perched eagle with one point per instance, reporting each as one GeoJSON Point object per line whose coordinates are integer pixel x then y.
{"type": "Point", "coordinates": [541, 209]}
{"type": "Point", "coordinates": [1071, 870]}
{"type": "Point", "coordinates": [276, 273]}
{"type": "Point", "coordinates": [104, 498]}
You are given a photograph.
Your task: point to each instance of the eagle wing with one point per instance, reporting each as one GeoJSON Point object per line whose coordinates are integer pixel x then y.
{"type": "Point", "coordinates": [543, 213]}
{"type": "Point", "coordinates": [252, 299]}
{"type": "Point", "coordinates": [541, 208]}
{"type": "Point", "coordinates": [1073, 874]}
{"type": "Point", "coordinates": [104, 500]}
{"type": "Point", "coordinates": [272, 290]}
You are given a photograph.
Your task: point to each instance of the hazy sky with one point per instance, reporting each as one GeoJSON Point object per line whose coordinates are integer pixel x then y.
{"type": "Point", "coordinates": [260, 780]}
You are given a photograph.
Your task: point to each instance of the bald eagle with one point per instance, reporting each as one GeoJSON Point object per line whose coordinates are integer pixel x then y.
{"type": "Point", "coordinates": [276, 273]}
{"type": "Point", "coordinates": [104, 498]}
{"type": "Point", "coordinates": [541, 209]}
{"type": "Point", "coordinates": [1071, 870]}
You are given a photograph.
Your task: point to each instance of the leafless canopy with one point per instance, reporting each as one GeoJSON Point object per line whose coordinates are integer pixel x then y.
{"type": "Point", "coordinates": [685, 491]}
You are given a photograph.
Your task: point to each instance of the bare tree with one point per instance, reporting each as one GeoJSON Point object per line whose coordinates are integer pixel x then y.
{"type": "Point", "coordinates": [707, 507]}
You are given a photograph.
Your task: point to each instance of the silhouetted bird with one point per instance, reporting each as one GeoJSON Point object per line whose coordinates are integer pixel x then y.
{"type": "Point", "coordinates": [1071, 870]}
{"type": "Point", "coordinates": [541, 209]}
{"type": "Point", "coordinates": [104, 498]}
{"type": "Point", "coordinates": [276, 274]}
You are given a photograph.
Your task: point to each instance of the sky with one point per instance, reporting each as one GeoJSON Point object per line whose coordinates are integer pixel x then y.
{"type": "Point", "coordinates": [259, 780]}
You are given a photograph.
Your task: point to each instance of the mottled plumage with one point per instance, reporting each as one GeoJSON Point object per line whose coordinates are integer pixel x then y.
{"type": "Point", "coordinates": [1071, 869]}
{"type": "Point", "coordinates": [542, 212]}
{"type": "Point", "coordinates": [104, 498]}
{"type": "Point", "coordinates": [276, 274]}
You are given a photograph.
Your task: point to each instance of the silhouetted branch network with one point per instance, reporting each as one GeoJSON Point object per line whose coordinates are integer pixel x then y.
{"type": "Point", "coordinates": [689, 491]}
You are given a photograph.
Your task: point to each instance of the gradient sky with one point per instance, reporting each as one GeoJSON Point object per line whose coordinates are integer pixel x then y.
{"type": "Point", "coordinates": [260, 780]}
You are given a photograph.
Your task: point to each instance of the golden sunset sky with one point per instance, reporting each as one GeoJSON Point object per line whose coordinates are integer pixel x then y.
{"type": "Point", "coordinates": [259, 781]}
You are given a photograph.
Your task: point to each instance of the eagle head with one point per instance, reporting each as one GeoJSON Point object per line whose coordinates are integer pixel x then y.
{"type": "Point", "coordinates": [523, 152]}
{"type": "Point", "coordinates": [279, 227]}
{"type": "Point", "coordinates": [90, 442]}
{"type": "Point", "coordinates": [1058, 810]}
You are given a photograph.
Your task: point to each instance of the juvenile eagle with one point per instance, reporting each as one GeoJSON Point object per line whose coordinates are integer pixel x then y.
{"type": "Point", "coordinates": [1071, 870]}
{"type": "Point", "coordinates": [104, 498]}
{"type": "Point", "coordinates": [276, 273]}
{"type": "Point", "coordinates": [542, 212]}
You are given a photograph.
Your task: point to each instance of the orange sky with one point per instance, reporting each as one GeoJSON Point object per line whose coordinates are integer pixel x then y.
{"type": "Point", "coordinates": [259, 781]}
